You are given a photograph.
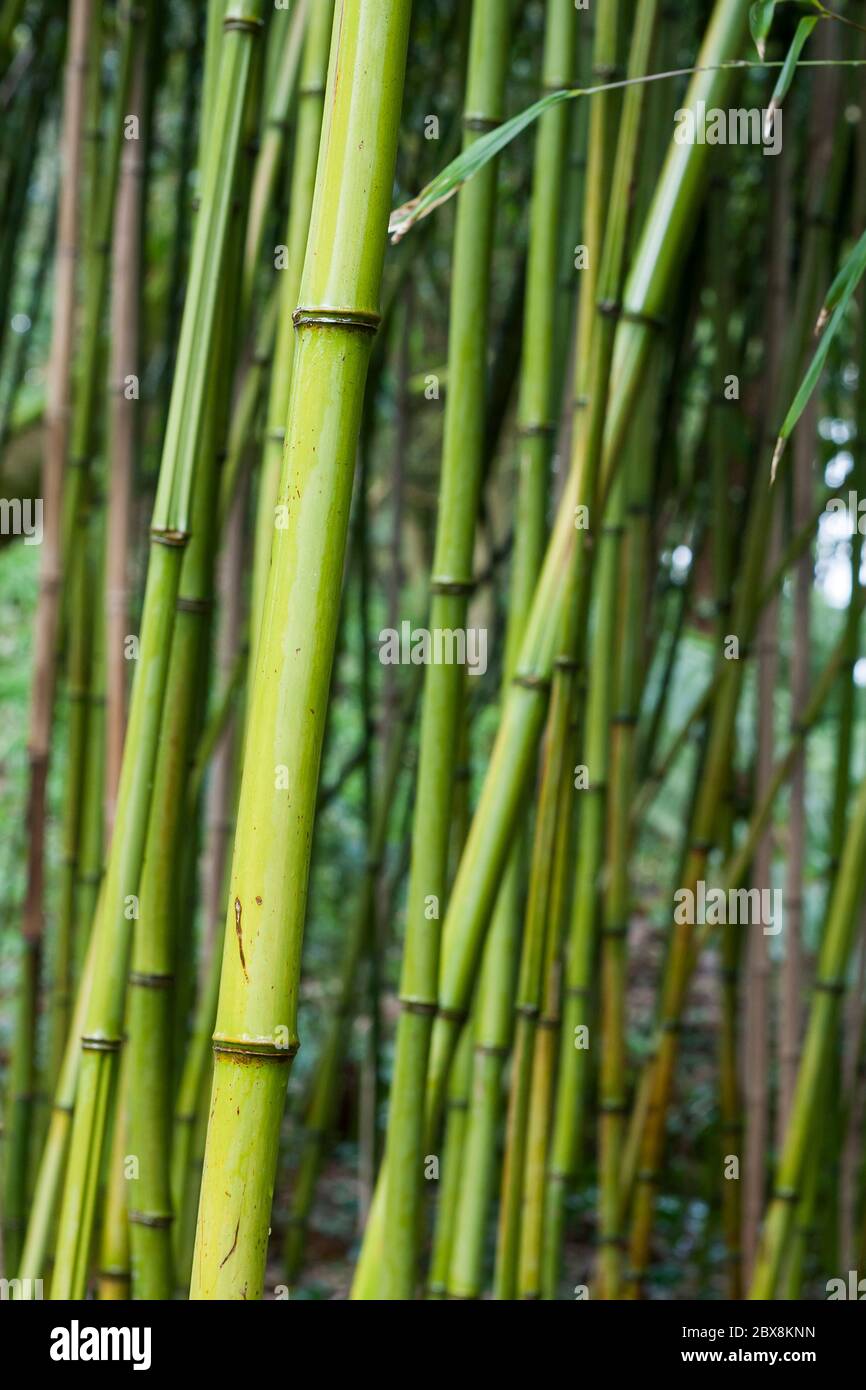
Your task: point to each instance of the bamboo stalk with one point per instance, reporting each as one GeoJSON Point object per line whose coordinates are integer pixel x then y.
{"type": "Point", "coordinates": [757, 1037]}
{"type": "Point", "coordinates": [535, 424]}
{"type": "Point", "coordinates": [170, 529]}
{"type": "Point", "coordinates": [309, 123]}
{"type": "Point", "coordinates": [255, 1033]}
{"type": "Point", "coordinates": [450, 584]}
{"type": "Point", "coordinates": [820, 1031]}
{"type": "Point", "coordinates": [123, 424]}
{"type": "Point", "coordinates": [47, 616]}
{"type": "Point", "coordinates": [648, 289]}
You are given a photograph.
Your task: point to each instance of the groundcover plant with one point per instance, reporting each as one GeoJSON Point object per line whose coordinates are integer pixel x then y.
{"type": "Point", "coordinates": [433, 751]}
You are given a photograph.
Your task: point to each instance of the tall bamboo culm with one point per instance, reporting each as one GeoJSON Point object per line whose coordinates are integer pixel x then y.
{"type": "Point", "coordinates": [169, 534]}
{"type": "Point", "coordinates": [256, 1031]}
{"type": "Point", "coordinates": [450, 584]}
{"type": "Point", "coordinates": [57, 421]}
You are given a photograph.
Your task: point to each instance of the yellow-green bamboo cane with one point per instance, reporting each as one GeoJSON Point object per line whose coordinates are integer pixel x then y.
{"type": "Point", "coordinates": [451, 582]}
{"type": "Point", "coordinates": [256, 1030]}
{"type": "Point", "coordinates": [310, 102]}
{"type": "Point", "coordinates": [170, 530]}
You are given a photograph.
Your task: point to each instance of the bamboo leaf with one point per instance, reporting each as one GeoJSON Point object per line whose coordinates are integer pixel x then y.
{"type": "Point", "coordinates": [760, 22]}
{"type": "Point", "coordinates": [786, 76]}
{"type": "Point", "coordinates": [466, 165]}
{"type": "Point", "coordinates": [450, 179]}
{"type": "Point", "coordinates": [842, 289]}
{"type": "Point", "coordinates": [837, 288]}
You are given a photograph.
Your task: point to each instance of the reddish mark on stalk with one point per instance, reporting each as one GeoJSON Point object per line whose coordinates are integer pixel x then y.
{"type": "Point", "coordinates": [240, 936]}
{"type": "Point", "coordinates": [258, 900]}
{"type": "Point", "coordinates": [234, 1244]}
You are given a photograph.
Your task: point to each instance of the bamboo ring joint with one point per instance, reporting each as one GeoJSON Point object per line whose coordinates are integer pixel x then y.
{"type": "Point", "coordinates": [359, 320]}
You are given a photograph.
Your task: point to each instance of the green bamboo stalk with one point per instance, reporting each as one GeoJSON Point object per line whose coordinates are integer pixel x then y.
{"type": "Point", "coordinates": [319, 1118]}
{"type": "Point", "coordinates": [451, 581]}
{"type": "Point", "coordinates": [154, 946]}
{"type": "Point", "coordinates": [276, 125]}
{"type": "Point", "coordinates": [828, 988]}
{"type": "Point", "coordinates": [46, 1191]}
{"type": "Point", "coordinates": [123, 423]}
{"type": "Point", "coordinates": [803, 1232]}
{"type": "Point", "coordinates": [309, 124]}
{"type": "Point", "coordinates": [77, 502]}
{"type": "Point", "coordinates": [704, 820]}
{"type": "Point", "coordinates": [649, 285]}
{"type": "Point", "coordinates": [256, 1032]}
{"type": "Point", "coordinates": [614, 966]}
{"type": "Point", "coordinates": [22, 1076]}
{"type": "Point", "coordinates": [536, 426]}
{"type": "Point", "coordinates": [593, 386]}
{"type": "Point", "coordinates": [170, 528]}
{"type": "Point", "coordinates": [721, 445]}
{"type": "Point", "coordinates": [453, 1157]}
{"type": "Point", "coordinates": [90, 849]}
{"type": "Point", "coordinates": [159, 947]}
{"type": "Point", "coordinates": [192, 1090]}
{"type": "Point", "coordinates": [113, 1279]}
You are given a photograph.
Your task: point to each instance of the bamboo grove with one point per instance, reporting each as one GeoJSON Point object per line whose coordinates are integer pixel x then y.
{"type": "Point", "coordinates": [433, 765]}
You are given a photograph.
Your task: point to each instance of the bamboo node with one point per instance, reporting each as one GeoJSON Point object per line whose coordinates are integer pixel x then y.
{"type": "Point", "coordinates": [453, 1015]}
{"type": "Point", "coordinates": [193, 605]}
{"type": "Point", "coordinates": [642, 319]}
{"type": "Point", "coordinates": [358, 320]}
{"type": "Point", "coordinates": [92, 1042]}
{"type": "Point", "coordinates": [530, 681]}
{"type": "Point", "coordinates": [831, 986]}
{"type": "Point", "coordinates": [417, 1006]}
{"type": "Point", "coordinates": [452, 588]}
{"type": "Point", "coordinates": [153, 1219]}
{"type": "Point", "coordinates": [481, 123]}
{"type": "Point", "coordinates": [536, 428]}
{"type": "Point", "coordinates": [245, 24]}
{"type": "Point", "coordinates": [255, 1051]}
{"type": "Point", "coordinates": [174, 539]}
{"type": "Point", "coordinates": [154, 981]}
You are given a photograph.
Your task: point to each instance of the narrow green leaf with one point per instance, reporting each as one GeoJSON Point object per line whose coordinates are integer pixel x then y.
{"type": "Point", "coordinates": [466, 165]}
{"type": "Point", "coordinates": [786, 76]}
{"type": "Point", "coordinates": [842, 289]}
{"type": "Point", "coordinates": [838, 286]}
{"type": "Point", "coordinates": [760, 21]}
